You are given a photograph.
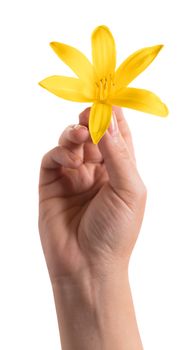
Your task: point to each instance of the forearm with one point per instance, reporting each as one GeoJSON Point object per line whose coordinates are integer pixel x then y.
{"type": "Point", "coordinates": [96, 314]}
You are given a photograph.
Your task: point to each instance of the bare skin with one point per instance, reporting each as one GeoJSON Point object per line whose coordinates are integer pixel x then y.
{"type": "Point", "coordinates": [92, 202]}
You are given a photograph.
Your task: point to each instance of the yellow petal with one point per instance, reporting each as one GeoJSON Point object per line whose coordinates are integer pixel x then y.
{"type": "Point", "coordinates": [76, 60]}
{"type": "Point", "coordinates": [135, 64]}
{"type": "Point", "coordinates": [141, 100]}
{"type": "Point", "coordinates": [68, 88]}
{"type": "Point", "coordinates": [99, 120]}
{"type": "Point", "coordinates": [103, 52]}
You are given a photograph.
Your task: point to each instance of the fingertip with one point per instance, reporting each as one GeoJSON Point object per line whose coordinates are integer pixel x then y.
{"type": "Point", "coordinates": [85, 111]}
{"type": "Point", "coordinates": [84, 116]}
{"type": "Point", "coordinates": [76, 134]}
{"type": "Point", "coordinates": [79, 127]}
{"type": "Point", "coordinates": [117, 109]}
{"type": "Point", "coordinates": [79, 132]}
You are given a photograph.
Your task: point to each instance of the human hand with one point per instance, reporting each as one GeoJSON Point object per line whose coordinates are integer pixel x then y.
{"type": "Point", "coordinates": [92, 201]}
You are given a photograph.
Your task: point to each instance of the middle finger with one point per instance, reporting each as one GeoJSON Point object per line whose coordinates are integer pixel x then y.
{"type": "Point", "coordinates": [91, 151]}
{"type": "Point", "coordinates": [77, 139]}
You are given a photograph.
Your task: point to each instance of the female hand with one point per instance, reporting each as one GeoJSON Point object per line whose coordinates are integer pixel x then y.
{"type": "Point", "coordinates": [92, 201]}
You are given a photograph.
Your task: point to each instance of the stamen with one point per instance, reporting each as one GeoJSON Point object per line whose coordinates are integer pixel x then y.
{"type": "Point", "coordinates": [104, 87]}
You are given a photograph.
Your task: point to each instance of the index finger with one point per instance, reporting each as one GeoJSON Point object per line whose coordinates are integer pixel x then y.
{"type": "Point", "coordinates": [122, 124]}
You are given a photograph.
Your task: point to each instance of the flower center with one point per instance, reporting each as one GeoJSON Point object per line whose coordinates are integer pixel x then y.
{"type": "Point", "coordinates": [104, 87]}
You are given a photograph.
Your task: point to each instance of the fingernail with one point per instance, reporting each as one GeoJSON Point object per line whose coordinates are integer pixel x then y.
{"type": "Point", "coordinates": [113, 128]}
{"type": "Point", "coordinates": [78, 126]}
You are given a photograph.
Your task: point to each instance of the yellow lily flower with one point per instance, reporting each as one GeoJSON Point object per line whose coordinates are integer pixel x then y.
{"type": "Point", "coordinates": [101, 84]}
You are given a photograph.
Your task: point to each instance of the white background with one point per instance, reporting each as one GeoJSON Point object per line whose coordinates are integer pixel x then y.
{"type": "Point", "coordinates": [31, 120]}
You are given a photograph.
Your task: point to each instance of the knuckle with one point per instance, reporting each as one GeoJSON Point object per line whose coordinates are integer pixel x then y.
{"type": "Point", "coordinates": [64, 135]}
{"type": "Point", "coordinates": [60, 152]}
{"type": "Point", "coordinates": [73, 156]}
{"type": "Point", "coordinates": [44, 159]}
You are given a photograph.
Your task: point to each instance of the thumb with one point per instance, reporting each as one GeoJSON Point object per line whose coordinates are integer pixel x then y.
{"type": "Point", "coordinates": [120, 164]}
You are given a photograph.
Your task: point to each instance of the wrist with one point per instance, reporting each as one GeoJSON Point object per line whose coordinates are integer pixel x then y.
{"type": "Point", "coordinates": [92, 292]}
{"type": "Point", "coordinates": [96, 312]}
